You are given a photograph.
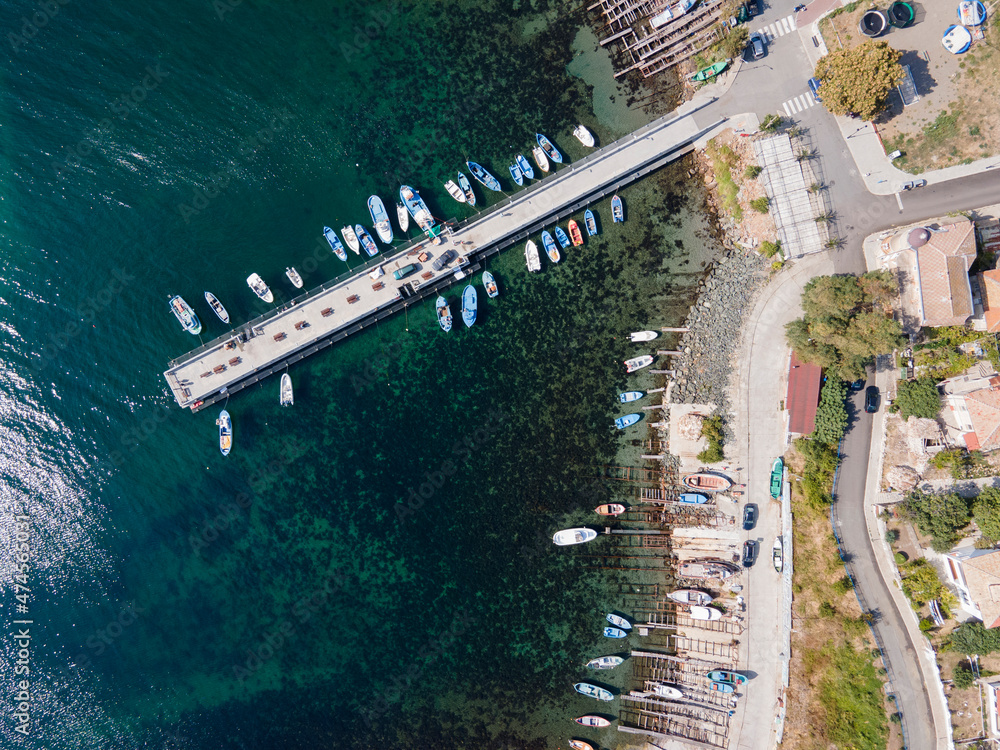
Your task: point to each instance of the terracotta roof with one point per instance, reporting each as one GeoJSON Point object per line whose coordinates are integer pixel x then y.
{"type": "Point", "coordinates": [803, 395]}
{"type": "Point", "coordinates": [984, 411]}
{"type": "Point", "coordinates": [982, 577]}
{"type": "Point", "coordinates": [990, 284]}
{"type": "Point", "coordinates": [942, 275]}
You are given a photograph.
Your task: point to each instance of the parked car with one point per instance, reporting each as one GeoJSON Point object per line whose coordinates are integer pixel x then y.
{"type": "Point", "coordinates": [871, 399]}
{"type": "Point", "coordinates": [749, 516]}
{"type": "Point", "coordinates": [756, 45]}
{"type": "Point", "coordinates": [858, 385]}
{"type": "Point", "coordinates": [749, 553]}
{"type": "Point", "coordinates": [814, 84]}
{"type": "Point", "coordinates": [754, 7]}
{"type": "Point", "coordinates": [444, 260]}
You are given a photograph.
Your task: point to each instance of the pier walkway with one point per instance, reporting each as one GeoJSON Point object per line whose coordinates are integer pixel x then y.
{"type": "Point", "coordinates": [356, 299]}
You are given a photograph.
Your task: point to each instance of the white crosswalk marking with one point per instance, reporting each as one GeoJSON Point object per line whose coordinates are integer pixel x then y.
{"type": "Point", "coordinates": [778, 28]}
{"type": "Point", "coordinates": [788, 23]}
{"type": "Point", "coordinates": [798, 104]}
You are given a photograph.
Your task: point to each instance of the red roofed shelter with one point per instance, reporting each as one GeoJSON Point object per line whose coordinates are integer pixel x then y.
{"type": "Point", "coordinates": [803, 395]}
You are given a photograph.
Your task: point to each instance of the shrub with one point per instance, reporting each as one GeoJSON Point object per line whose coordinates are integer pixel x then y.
{"type": "Point", "coordinates": [826, 610]}
{"type": "Point", "coordinates": [831, 416]}
{"type": "Point", "coordinates": [926, 624]}
{"type": "Point", "coordinates": [973, 638]}
{"type": "Point", "coordinates": [939, 515]}
{"type": "Point", "coordinates": [843, 585]}
{"type": "Point", "coordinates": [891, 536]}
{"type": "Point", "coordinates": [769, 249]}
{"type": "Point", "coordinates": [962, 675]}
{"type": "Point", "coordinates": [753, 170]}
{"type": "Point", "coordinates": [901, 558]}
{"type": "Point", "coordinates": [918, 398]}
{"type": "Point", "coordinates": [711, 430]}
{"type": "Point", "coordinates": [760, 205]}
{"type": "Point", "coordinates": [770, 123]}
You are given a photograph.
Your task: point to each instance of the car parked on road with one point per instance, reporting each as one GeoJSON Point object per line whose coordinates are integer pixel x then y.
{"type": "Point", "coordinates": [754, 7]}
{"type": "Point", "coordinates": [750, 516]}
{"type": "Point", "coordinates": [749, 553]}
{"type": "Point", "coordinates": [871, 399]}
{"type": "Point", "coordinates": [814, 84]}
{"type": "Point", "coordinates": [858, 385]}
{"type": "Point", "coordinates": [756, 46]}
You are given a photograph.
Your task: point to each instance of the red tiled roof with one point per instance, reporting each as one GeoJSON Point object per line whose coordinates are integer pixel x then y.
{"type": "Point", "coordinates": [991, 298]}
{"type": "Point", "coordinates": [984, 411]}
{"type": "Point", "coordinates": [971, 441]}
{"type": "Point", "coordinates": [803, 395]}
{"type": "Point", "coordinates": [942, 270]}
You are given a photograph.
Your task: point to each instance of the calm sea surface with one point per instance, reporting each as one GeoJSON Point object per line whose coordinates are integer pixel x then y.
{"type": "Point", "coordinates": [373, 567]}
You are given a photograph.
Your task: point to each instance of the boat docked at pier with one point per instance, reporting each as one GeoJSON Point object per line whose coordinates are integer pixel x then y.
{"type": "Point", "coordinates": [380, 219]}
{"type": "Point", "coordinates": [630, 396]}
{"type": "Point", "coordinates": [483, 176]}
{"type": "Point", "coordinates": [605, 662]}
{"type": "Point", "coordinates": [707, 569]}
{"type": "Point", "coordinates": [255, 282]}
{"type": "Point", "coordinates": [540, 158]}
{"type": "Point", "coordinates": [617, 210]}
{"type": "Point", "coordinates": [610, 509]}
{"type": "Point", "coordinates": [225, 432]}
{"type": "Point", "coordinates": [707, 481]}
{"type": "Point", "coordinates": [614, 633]}
{"type": "Point", "coordinates": [217, 307]}
{"type": "Point", "coordinates": [286, 397]}
{"type": "Point", "coordinates": [637, 363]}
{"type": "Point", "coordinates": [443, 314]}
{"type": "Point", "coordinates": [562, 237]}
{"type": "Point", "coordinates": [335, 244]}
{"type": "Point", "coordinates": [293, 276]}
{"type": "Point", "coordinates": [639, 336]}
{"type": "Point", "coordinates": [574, 233]}
{"type": "Point", "coordinates": [463, 182]}
{"type": "Point", "coordinates": [590, 221]}
{"type": "Point", "coordinates": [584, 136]}
{"type": "Point", "coordinates": [524, 166]}
{"type": "Point", "coordinates": [490, 285]}
{"type": "Point", "coordinates": [567, 537]}
{"type": "Point", "coordinates": [366, 240]}
{"type": "Point", "coordinates": [704, 613]}
{"type": "Point", "coordinates": [531, 257]}
{"type": "Point", "coordinates": [184, 314]}
{"type": "Point", "coordinates": [454, 191]}
{"type": "Point", "coordinates": [592, 721]}
{"type": "Point", "coordinates": [619, 622]}
{"type": "Point", "coordinates": [690, 596]}
{"type": "Point", "coordinates": [403, 217]}
{"type": "Point", "coordinates": [550, 151]}
{"type": "Point", "coordinates": [417, 208]}
{"type": "Point", "coordinates": [351, 239]}
{"type": "Point", "coordinates": [777, 475]}
{"type": "Point", "coordinates": [470, 305]}
{"type": "Point", "coordinates": [593, 691]}
{"type": "Point", "coordinates": [516, 175]}
{"type": "Point", "coordinates": [627, 421]}
{"type": "Point", "coordinates": [550, 247]}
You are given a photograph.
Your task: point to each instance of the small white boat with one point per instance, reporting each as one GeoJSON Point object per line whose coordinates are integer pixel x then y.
{"type": "Point", "coordinates": [705, 613]}
{"type": "Point", "coordinates": [667, 691]}
{"type": "Point", "coordinates": [584, 136]}
{"type": "Point", "coordinates": [351, 238]}
{"type": "Point", "coordinates": [217, 307]}
{"type": "Point", "coordinates": [287, 398]}
{"type": "Point", "coordinates": [593, 691]}
{"type": "Point", "coordinates": [777, 557]}
{"type": "Point", "coordinates": [690, 596]}
{"type": "Point", "coordinates": [637, 363]}
{"type": "Point", "coordinates": [293, 276]}
{"type": "Point", "coordinates": [531, 256]}
{"type": "Point", "coordinates": [592, 721]}
{"type": "Point", "coordinates": [225, 425]}
{"type": "Point", "coordinates": [573, 536]}
{"type": "Point", "coordinates": [403, 217]}
{"type": "Point", "coordinates": [605, 662]}
{"type": "Point", "coordinates": [540, 158]}
{"type": "Point", "coordinates": [454, 191]}
{"type": "Point", "coordinates": [638, 336]}
{"type": "Point", "coordinates": [619, 622]}
{"type": "Point", "coordinates": [261, 289]}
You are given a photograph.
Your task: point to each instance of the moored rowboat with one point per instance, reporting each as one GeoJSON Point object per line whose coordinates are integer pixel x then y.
{"type": "Point", "coordinates": [593, 691]}
{"type": "Point", "coordinates": [335, 245]}
{"type": "Point", "coordinates": [690, 596]}
{"type": "Point", "coordinates": [637, 363]}
{"type": "Point", "coordinates": [592, 721]}
{"type": "Point", "coordinates": [605, 662]}
{"type": "Point", "coordinates": [550, 151]}
{"type": "Point", "coordinates": [217, 307]}
{"type": "Point", "coordinates": [619, 622]}
{"type": "Point", "coordinates": [724, 675]}
{"type": "Point", "coordinates": [617, 210]}
{"type": "Point", "coordinates": [574, 233]}
{"type": "Point", "coordinates": [707, 481]}
{"type": "Point", "coordinates": [611, 509]}
{"type": "Point", "coordinates": [590, 221]}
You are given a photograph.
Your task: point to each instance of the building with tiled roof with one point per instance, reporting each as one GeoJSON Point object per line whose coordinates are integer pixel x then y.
{"type": "Point", "coordinates": [989, 285]}
{"type": "Point", "coordinates": [804, 381]}
{"type": "Point", "coordinates": [976, 575]}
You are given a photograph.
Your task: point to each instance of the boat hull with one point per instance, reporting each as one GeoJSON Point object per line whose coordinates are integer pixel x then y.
{"type": "Point", "coordinates": [380, 219]}
{"type": "Point", "coordinates": [256, 283]}
{"type": "Point", "coordinates": [562, 237]}
{"type": "Point", "coordinates": [217, 307]}
{"type": "Point", "coordinates": [591, 222]}
{"type": "Point", "coordinates": [627, 421]}
{"type": "Point", "coordinates": [721, 687]}
{"type": "Point", "coordinates": [592, 721]}
{"type": "Point", "coordinates": [516, 175]}
{"type": "Point", "coordinates": [690, 596]}
{"type": "Point", "coordinates": [531, 257]}
{"type": "Point", "coordinates": [605, 662]}
{"type": "Point", "coordinates": [335, 244]}
{"type": "Point", "coordinates": [617, 210]}
{"type": "Point", "coordinates": [724, 675]}
{"type": "Point", "coordinates": [550, 247]}
{"type": "Point", "coordinates": [463, 182]}
{"type": "Point", "coordinates": [584, 136]}
{"type": "Point", "coordinates": [225, 432]}
{"type": "Point", "coordinates": [550, 150]}
{"type": "Point", "coordinates": [611, 509]}
{"type": "Point", "coordinates": [637, 363]}
{"type": "Point", "coordinates": [483, 176]}
{"type": "Point", "coordinates": [593, 691]}
{"type": "Point", "coordinates": [639, 336]}
{"type": "Point", "coordinates": [185, 315]}
{"type": "Point", "coordinates": [630, 396]}
{"type": "Point", "coordinates": [575, 234]}
{"type": "Point", "coordinates": [525, 167]}
{"type": "Point", "coordinates": [540, 158]}
{"type": "Point", "coordinates": [715, 570]}
{"type": "Point", "coordinates": [619, 622]}
{"type": "Point", "coordinates": [567, 537]}
{"type": "Point", "coordinates": [614, 633]}
{"type": "Point", "coordinates": [294, 277]}
{"type": "Point", "coordinates": [490, 285]}
{"type": "Point", "coordinates": [403, 217]}
{"type": "Point", "coordinates": [366, 241]}
{"type": "Point", "coordinates": [693, 498]}
{"type": "Point", "coordinates": [443, 314]}
{"type": "Point", "coordinates": [286, 396]}
{"type": "Point", "coordinates": [777, 475]}
{"type": "Point", "coordinates": [454, 191]}
{"type": "Point", "coordinates": [706, 481]}
{"type": "Point", "coordinates": [470, 305]}
{"type": "Point", "coordinates": [351, 239]}
{"type": "Point", "coordinates": [698, 612]}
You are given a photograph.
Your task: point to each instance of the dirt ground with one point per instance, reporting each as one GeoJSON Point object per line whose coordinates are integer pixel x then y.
{"type": "Point", "coordinates": [957, 119]}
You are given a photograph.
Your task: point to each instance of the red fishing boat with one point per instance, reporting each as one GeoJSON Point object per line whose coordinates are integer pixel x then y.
{"type": "Point", "coordinates": [574, 233]}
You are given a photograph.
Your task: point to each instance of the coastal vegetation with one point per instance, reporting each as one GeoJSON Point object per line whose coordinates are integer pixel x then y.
{"type": "Point", "coordinates": [917, 398]}
{"type": "Point", "coordinates": [922, 584]}
{"type": "Point", "coordinates": [848, 320]}
{"type": "Point", "coordinates": [858, 80]}
{"type": "Point", "coordinates": [711, 430]}
{"type": "Point", "coordinates": [831, 415]}
{"type": "Point", "coordinates": [974, 638]}
{"type": "Point", "coordinates": [723, 161]}
{"type": "Point", "coordinates": [940, 515]}
{"type": "Point", "coordinates": [986, 513]}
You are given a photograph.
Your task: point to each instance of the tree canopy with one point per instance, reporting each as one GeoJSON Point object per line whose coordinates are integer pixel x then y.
{"type": "Point", "coordinates": [940, 515]}
{"type": "Point", "coordinates": [859, 79]}
{"type": "Point", "coordinates": [921, 583]}
{"type": "Point", "coordinates": [973, 638]}
{"type": "Point", "coordinates": [831, 415]}
{"type": "Point", "coordinates": [986, 512]}
{"type": "Point", "coordinates": [918, 398]}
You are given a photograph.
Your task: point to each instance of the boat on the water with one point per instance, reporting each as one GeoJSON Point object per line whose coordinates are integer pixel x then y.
{"type": "Point", "coordinates": [261, 289]}
{"type": "Point", "coordinates": [721, 687]}
{"type": "Point", "coordinates": [540, 158]}
{"type": "Point", "coordinates": [627, 421]}
{"type": "Point", "coordinates": [531, 256]}
{"type": "Point", "coordinates": [614, 633]}
{"type": "Point", "coordinates": [707, 481]}
{"type": "Point", "coordinates": [403, 217]}
{"type": "Point", "coordinates": [366, 240]}
{"type": "Point", "coordinates": [550, 151]}
{"type": "Point", "coordinates": [463, 182]}
{"type": "Point", "coordinates": [637, 336]}
{"type": "Point", "coordinates": [711, 71]}
{"type": "Point", "coordinates": [590, 221]}
{"type": "Point", "coordinates": [293, 276]}
{"type": "Point", "coordinates": [617, 210]}
{"type": "Point", "coordinates": [516, 175]}
{"type": "Point", "coordinates": [483, 176]}
{"type": "Point", "coordinates": [351, 239]}
{"type": "Point", "coordinates": [470, 305]}
{"type": "Point", "coordinates": [335, 243]}
{"type": "Point", "coordinates": [580, 745]}
{"type": "Point", "coordinates": [490, 285]}
{"type": "Point", "coordinates": [593, 691]}
{"type": "Point", "coordinates": [705, 613]}
{"type": "Point", "coordinates": [454, 191]}
{"type": "Point", "coordinates": [725, 675]}
{"type": "Point", "coordinates": [592, 721]}
{"type": "Point", "coordinates": [777, 475]}
{"type": "Point", "coordinates": [574, 233]}
{"type": "Point", "coordinates": [573, 536]}
{"type": "Point", "coordinates": [562, 237]}
{"type": "Point", "coordinates": [690, 596]}
{"type": "Point", "coordinates": [610, 509]}
{"type": "Point", "coordinates": [526, 169]}
{"type": "Point", "coordinates": [225, 432]}
{"type": "Point", "coordinates": [708, 569]}
{"type": "Point", "coordinates": [417, 208]}
{"type": "Point", "coordinates": [777, 559]}
{"type": "Point", "coordinates": [584, 136]}
{"type": "Point", "coordinates": [619, 622]}
{"type": "Point", "coordinates": [605, 662]}
{"type": "Point", "coordinates": [217, 307]}
{"type": "Point", "coordinates": [667, 691]}
{"type": "Point", "coordinates": [443, 314]}
{"type": "Point", "coordinates": [185, 314]}
{"type": "Point", "coordinates": [637, 363]}
{"type": "Point", "coordinates": [286, 397]}
{"type": "Point", "coordinates": [692, 498]}
{"type": "Point", "coordinates": [550, 246]}
{"type": "Point", "coordinates": [630, 396]}
{"type": "Point", "coordinates": [380, 219]}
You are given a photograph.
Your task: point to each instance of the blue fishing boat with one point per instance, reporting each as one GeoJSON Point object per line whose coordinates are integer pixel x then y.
{"type": "Point", "coordinates": [629, 396]}
{"type": "Point", "coordinates": [335, 244]}
{"type": "Point", "coordinates": [470, 304]}
{"type": "Point", "coordinates": [443, 314]}
{"type": "Point", "coordinates": [380, 219]}
{"type": "Point", "coordinates": [366, 240]}
{"type": "Point", "coordinates": [693, 498]}
{"type": "Point", "coordinates": [466, 186]}
{"type": "Point", "coordinates": [562, 237]}
{"type": "Point", "coordinates": [550, 151]}
{"type": "Point", "coordinates": [225, 432]}
{"type": "Point", "coordinates": [526, 169]}
{"type": "Point", "coordinates": [614, 633]}
{"type": "Point", "coordinates": [483, 176]}
{"type": "Point", "coordinates": [490, 284]}
{"type": "Point", "coordinates": [550, 247]}
{"type": "Point", "coordinates": [185, 315]}
{"type": "Point", "coordinates": [627, 421]}
{"type": "Point", "coordinates": [591, 222]}
{"type": "Point", "coordinates": [617, 210]}
{"type": "Point", "coordinates": [515, 174]}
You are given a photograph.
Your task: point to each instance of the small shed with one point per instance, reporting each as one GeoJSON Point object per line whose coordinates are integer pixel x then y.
{"type": "Point", "coordinates": [804, 381]}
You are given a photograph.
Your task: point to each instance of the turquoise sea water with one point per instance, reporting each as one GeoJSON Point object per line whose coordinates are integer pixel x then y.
{"type": "Point", "coordinates": [373, 567]}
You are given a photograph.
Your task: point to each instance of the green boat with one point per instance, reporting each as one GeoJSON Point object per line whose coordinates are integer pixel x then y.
{"type": "Point", "coordinates": [777, 474]}
{"type": "Point", "coordinates": [711, 71]}
{"type": "Point", "coordinates": [723, 675]}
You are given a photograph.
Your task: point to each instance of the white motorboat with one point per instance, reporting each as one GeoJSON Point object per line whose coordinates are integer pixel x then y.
{"type": "Point", "coordinates": [261, 289]}
{"type": "Point", "coordinates": [351, 238]}
{"type": "Point", "coordinates": [605, 662]}
{"type": "Point", "coordinates": [287, 398]}
{"type": "Point", "coordinates": [293, 276]}
{"type": "Point", "coordinates": [667, 691]}
{"type": "Point", "coordinates": [637, 363]}
{"type": "Point", "coordinates": [690, 596]}
{"type": "Point", "coordinates": [705, 613]}
{"type": "Point", "coordinates": [584, 136]}
{"type": "Point", "coordinates": [638, 336]}
{"type": "Point", "coordinates": [573, 536]}
{"type": "Point", "coordinates": [540, 158]}
{"type": "Point", "coordinates": [403, 217]}
{"type": "Point", "coordinates": [454, 191]}
{"type": "Point", "coordinates": [531, 256]}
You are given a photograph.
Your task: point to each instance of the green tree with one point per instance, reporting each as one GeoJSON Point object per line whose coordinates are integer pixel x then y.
{"type": "Point", "coordinates": [871, 333]}
{"type": "Point", "coordinates": [920, 582]}
{"type": "Point", "coordinates": [986, 512]}
{"type": "Point", "coordinates": [859, 79]}
{"type": "Point", "coordinates": [880, 288]}
{"type": "Point", "coordinates": [835, 297]}
{"type": "Point", "coordinates": [940, 515]}
{"type": "Point", "coordinates": [918, 398]}
{"type": "Point", "coordinates": [734, 42]}
{"type": "Point", "coordinates": [831, 415]}
{"type": "Point", "coordinates": [973, 638]}
{"type": "Point", "coordinates": [962, 675]}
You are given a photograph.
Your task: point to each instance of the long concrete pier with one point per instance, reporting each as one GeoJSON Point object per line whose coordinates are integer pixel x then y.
{"type": "Point", "coordinates": [356, 299]}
